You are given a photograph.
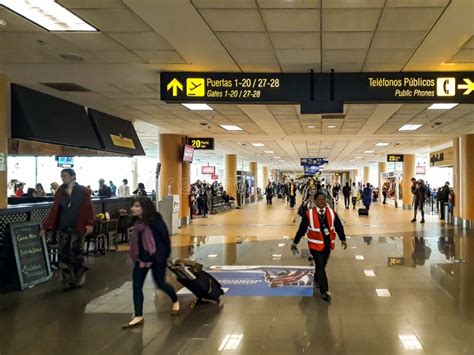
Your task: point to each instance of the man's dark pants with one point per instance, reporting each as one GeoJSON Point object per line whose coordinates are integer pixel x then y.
{"type": "Point", "coordinates": [71, 258]}
{"type": "Point", "coordinates": [320, 261]}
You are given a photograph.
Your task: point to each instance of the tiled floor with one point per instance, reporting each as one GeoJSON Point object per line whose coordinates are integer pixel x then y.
{"type": "Point", "coordinates": [431, 303]}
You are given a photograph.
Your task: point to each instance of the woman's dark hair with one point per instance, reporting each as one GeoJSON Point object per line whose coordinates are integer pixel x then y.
{"type": "Point", "coordinates": [29, 192]}
{"type": "Point", "coordinates": [40, 186]}
{"type": "Point", "coordinates": [70, 172]}
{"type": "Point", "coordinates": [141, 185]}
{"type": "Point", "coordinates": [149, 209]}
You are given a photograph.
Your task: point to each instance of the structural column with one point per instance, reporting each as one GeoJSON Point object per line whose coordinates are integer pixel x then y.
{"type": "Point", "coordinates": [230, 175]}
{"type": "Point", "coordinates": [408, 173]}
{"type": "Point", "coordinates": [264, 177]}
{"type": "Point", "coordinates": [185, 210]}
{"type": "Point", "coordinates": [4, 135]}
{"type": "Point", "coordinates": [171, 157]}
{"type": "Point", "coordinates": [466, 147]}
{"type": "Point", "coordinates": [253, 167]}
{"type": "Point", "coordinates": [382, 167]}
{"type": "Point", "coordinates": [366, 175]}
{"type": "Point", "coordinates": [457, 182]}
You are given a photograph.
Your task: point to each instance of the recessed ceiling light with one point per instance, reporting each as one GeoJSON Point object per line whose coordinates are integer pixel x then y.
{"type": "Point", "coordinates": [197, 107]}
{"type": "Point", "coordinates": [269, 151]}
{"type": "Point", "coordinates": [48, 14]}
{"type": "Point", "coordinates": [277, 157]}
{"type": "Point", "coordinates": [383, 292]}
{"type": "Point", "coordinates": [410, 342]}
{"type": "Point", "coordinates": [369, 273]}
{"type": "Point", "coordinates": [3, 22]}
{"type": "Point", "coordinates": [368, 151]}
{"type": "Point", "coordinates": [358, 157]}
{"type": "Point", "coordinates": [359, 257]}
{"type": "Point", "coordinates": [229, 127]}
{"type": "Point", "coordinates": [331, 126]}
{"type": "Point", "coordinates": [382, 144]}
{"type": "Point", "coordinates": [410, 127]}
{"type": "Point", "coordinates": [311, 126]}
{"type": "Point", "coordinates": [258, 144]}
{"type": "Point", "coordinates": [442, 106]}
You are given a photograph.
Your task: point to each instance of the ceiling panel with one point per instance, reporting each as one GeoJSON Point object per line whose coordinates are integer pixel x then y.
{"type": "Point", "coordinates": [92, 4]}
{"type": "Point", "coordinates": [245, 40]}
{"type": "Point", "coordinates": [116, 56]}
{"type": "Point", "coordinates": [90, 40]}
{"type": "Point", "coordinates": [413, 19]}
{"type": "Point", "coordinates": [353, 3]}
{"type": "Point", "coordinates": [219, 4]}
{"type": "Point", "coordinates": [397, 39]}
{"type": "Point", "coordinates": [463, 56]}
{"type": "Point", "coordinates": [254, 56]}
{"type": "Point", "coordinates": [113, 20]}
{"type": "Point", "coordinates": [388, 56]}
{"type": "Point", "coordinates": [34, 41]}
{"type": "Point", "coordinates": [141, 40]}
{"type": "Point", "coordinates": [307, 4]}
{"type": "Point", "coordinates": [291, 20]}
{"type": "Point", "coordinates": [237, 20]}
{"type": "Point", "coordinates": [16, 23]}
{"type": "Point", "coordinates": [298, 56]}
{"type": "Point", "coordinates": [161, 56]}
{"type": "Point", "coordinates": [416, 3]}
{"type": "Point", "coordinates": [350, 19]}
{"type": "Point", "coordinates": [343, 55]}
{"type": "Point", "coordinates": [346, 40]}
{"type": "Point", "coordinates": [295, 40]}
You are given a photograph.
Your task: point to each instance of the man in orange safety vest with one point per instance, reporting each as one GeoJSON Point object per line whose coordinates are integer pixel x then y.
{"type": "Point", "coordinates": [320, 224]}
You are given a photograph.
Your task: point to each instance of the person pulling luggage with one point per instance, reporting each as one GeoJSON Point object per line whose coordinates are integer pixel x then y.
{"type": "Point", "coordinates": [150, 247]}
{"type": "Point", "coordinates": [320, 224]}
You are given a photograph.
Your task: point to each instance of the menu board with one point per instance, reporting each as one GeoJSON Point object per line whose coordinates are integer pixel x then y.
{"type": "Point", "coordinates": [31, 254]}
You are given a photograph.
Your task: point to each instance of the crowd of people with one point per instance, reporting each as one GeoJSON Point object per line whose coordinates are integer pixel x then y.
{"type": "Point", "coordinates": [204, 194]}
{"type": "Point", "coordinates": [17, 189]}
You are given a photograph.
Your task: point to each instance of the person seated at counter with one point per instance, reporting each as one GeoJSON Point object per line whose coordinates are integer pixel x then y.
{"type": "Point", "coordinates": [39, 191]}
{"type": "Point", "coordinates": [19, 189]}
{"type": "Point", "coordinates": [54, 188]}
{"type": "Point", "coordinates": [140, 191]}
{"type": "Point", "coordinates": [104, 190]}
{"type": "Point", "coordinates": [29, 193]}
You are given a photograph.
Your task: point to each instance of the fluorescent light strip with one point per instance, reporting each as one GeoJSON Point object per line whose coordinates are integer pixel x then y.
{"type": "Point", "coordinates": [382, 144]}
{"type": "Point", "coordinates": [198, 107]}
{"type": "Point", "coordinates": [383, 292]}
{"type": "Point", "coordinates": [369, 273]}
{"type": "Point", "coordinates": [410, 342]}
{"type": "Point", "coordinates": [410, 127]}
{"type": "Point", "coordinates": [212, 256]}
{"type": "Point", "coordinates": [331, 126]}
{"type": "Point", "coordinates": [269, 152]}
{"type": "Point", "coordinates": [258, 144]}
{"type": "Point", "coordinates": [442, 106]}
{"type": "Point", "coordinates": [48, 14]}
{"type": "Point", "coordinates": [228, 127]}
{"type": "Point", "coordinates": [359, 257]}
{"type": "Point", "coordinates": [281, 245]}
{"type": "Point", "coordinates": [368, 151]}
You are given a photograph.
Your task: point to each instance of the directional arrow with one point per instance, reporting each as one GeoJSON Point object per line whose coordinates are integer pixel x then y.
{"type": "Point", "coordinates": [175, 85]}
{"type": "Point", "coordinates": [469, 86]}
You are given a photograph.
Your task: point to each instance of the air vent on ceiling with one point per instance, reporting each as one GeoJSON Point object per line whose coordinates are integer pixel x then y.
{"type": "Point", "coordinates": [335, 116]}
{"type": "Point", "coordinates": [67, 87]}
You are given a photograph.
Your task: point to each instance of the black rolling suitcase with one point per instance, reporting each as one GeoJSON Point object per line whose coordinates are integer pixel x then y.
{"type": "Point", "coordinates": [202, 284]}
{"type": "Point", "coordinates": [363, 212]}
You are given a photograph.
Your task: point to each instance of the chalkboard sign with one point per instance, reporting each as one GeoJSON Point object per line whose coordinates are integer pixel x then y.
{"type": "Point", "coordinates": [31, 254]}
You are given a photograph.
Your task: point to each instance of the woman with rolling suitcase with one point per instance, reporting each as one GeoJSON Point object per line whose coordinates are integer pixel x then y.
{"type": "Point", "coordinates": [150, 248]}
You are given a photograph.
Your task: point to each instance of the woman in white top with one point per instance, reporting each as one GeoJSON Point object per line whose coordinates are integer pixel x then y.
{"type": "Point", "coordinates": [124, 190]}
{"type": "Point", "coordinates": [354, 191]}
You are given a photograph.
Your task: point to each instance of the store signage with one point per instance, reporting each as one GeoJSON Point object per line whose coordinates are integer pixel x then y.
{"type": "Point", "coordinates": [3, 162]}
{"type": "Point", "coordinates": [420, 170]}
{"type": "Point", "coordinates": [394, 158]}
{"type": "Point", "coordinates": [121, 141]}
{"type": "Point", "coordinates": [214, 177]}
{"type": "Point", "coordinates": [208, 170]}
{"type": "Point", "coordinates": [405, 87]}
{"type": "Point", "coordinates": [313, 161]}
{"type": "Point", "coordinates": [201, 143]}
{"type": "Point", "coordinates": [235, 87]}
{"type": "Point", "coordinates": [441, 158]}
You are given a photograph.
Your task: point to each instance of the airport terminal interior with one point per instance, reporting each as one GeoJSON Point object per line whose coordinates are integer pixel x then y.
{"type": "Point", "coordinates": [298, 174]}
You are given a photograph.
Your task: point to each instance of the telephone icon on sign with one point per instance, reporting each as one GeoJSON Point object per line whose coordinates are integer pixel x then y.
{"type": "Point", "coordinates": [446, 87]}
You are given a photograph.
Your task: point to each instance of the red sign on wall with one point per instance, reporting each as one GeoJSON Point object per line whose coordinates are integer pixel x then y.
{"type": "Point", "coordinates": [208, 170]}
{"type": "Point", "coordinates": [214, 177]}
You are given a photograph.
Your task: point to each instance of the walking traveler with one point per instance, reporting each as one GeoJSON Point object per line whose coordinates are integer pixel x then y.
{"type": "Point", "coordinates": [354, 192]}
{"type": "Point", "coordinates": [269, 193]}
{"type": "Point", "coordinates": [292, 194]}
{"type": "Point", "coordinates": [443, 198]}
{"type": "Point", "coordinates": [150, 247]}
{"type": "Point", "coordinates": [346, 191]}
{"type": "Point", "coordinates": [320, 224]}
{"type": "Point", "coordinates": [384, 193]}
{"type": "Point", "coordinates": [367, 196]}
{"type": "Point", "coordinates": [73, 218]}
{"type": "Point", "coordinates": [420, 195]}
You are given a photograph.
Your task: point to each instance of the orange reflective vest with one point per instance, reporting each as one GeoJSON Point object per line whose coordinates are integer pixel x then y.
{"type": "Point", "coordinates": [315, 235]}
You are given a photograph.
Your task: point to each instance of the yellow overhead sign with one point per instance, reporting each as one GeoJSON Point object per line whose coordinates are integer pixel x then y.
{"type": "Point", "coordinates": [195, 87]}
{"type": "Point", "coordinates": [468, 86]}
{"type": "Point", "coordinates": [174, 85]}
{"type": "Point", "coordinates": [123, 142]}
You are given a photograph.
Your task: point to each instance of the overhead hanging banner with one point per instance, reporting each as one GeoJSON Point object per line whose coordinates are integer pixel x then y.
{"type": "Point", "coordinates": [404, 87]}
{"type": "Point", "coordinates": [313, 161]}
{"type": "Point", "coordinates": [201, 143]}
{"type": "Point", "coordinates": [394, 158]}
{"type": "Point", "coordinates": [235, 87]}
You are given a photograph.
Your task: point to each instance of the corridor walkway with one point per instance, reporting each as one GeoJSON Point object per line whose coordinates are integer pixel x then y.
{"type": "Point", "coordinates": [399, 288]}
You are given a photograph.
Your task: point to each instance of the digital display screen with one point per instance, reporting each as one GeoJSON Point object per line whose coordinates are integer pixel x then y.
{"type": "Point", "coordinates": [188, 154]}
